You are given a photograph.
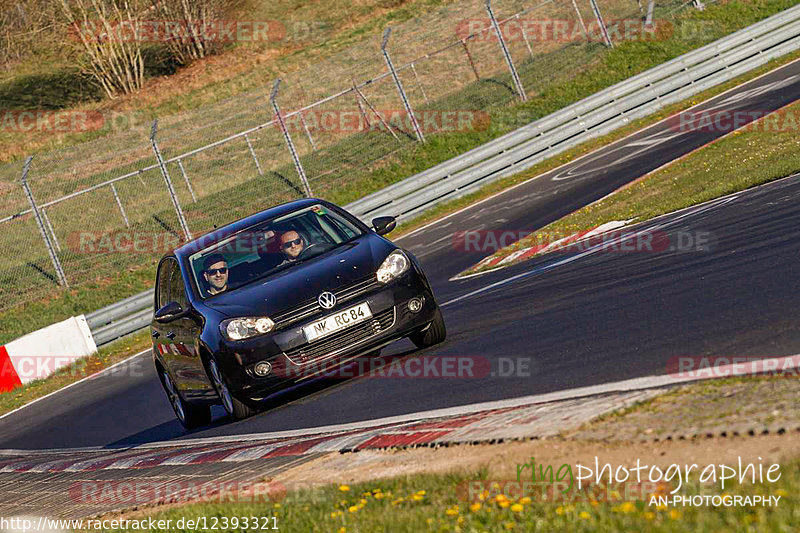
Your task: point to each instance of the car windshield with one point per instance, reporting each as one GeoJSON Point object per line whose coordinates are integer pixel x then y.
{"type": "Point", "coordinates": [268, 247]}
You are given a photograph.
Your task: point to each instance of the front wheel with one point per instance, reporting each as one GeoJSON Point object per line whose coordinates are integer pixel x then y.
{"type": "Point", "coordinates": [235, 409]}
{"type": "Point", "coordinates": [190, 416]}
{"type": "Point", "coordinates": [434, 334]}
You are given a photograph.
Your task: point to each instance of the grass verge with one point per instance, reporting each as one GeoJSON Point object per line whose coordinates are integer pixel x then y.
{"type": "Point", "coordinates": [441, 501]}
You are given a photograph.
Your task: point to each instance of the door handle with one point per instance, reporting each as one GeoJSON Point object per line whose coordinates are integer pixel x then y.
{"type": "Point", "coordinates": [171, 335]}
{"type": "Point", "coordinates": [155, 334]}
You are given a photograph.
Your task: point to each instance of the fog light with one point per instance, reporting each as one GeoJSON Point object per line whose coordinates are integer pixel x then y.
{"type": "Point", "coordinates": [415, 305]}
{"type": "Point", "coordinates": [262, 369]}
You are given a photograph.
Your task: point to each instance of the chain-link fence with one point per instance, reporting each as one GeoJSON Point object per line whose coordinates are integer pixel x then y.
{"type": "Point", "coordinates": [335, 130]}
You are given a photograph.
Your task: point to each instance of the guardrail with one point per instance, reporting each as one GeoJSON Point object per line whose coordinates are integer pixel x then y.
{"type": "Point", "coordinates": [606, 110]}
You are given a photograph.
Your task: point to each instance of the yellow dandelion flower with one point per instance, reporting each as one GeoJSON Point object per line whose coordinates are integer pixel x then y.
{"type": "Point", "coordinates": [344, 488]}
{"type": "Point", "coordinates": [627, 507]}
{"type": "Point", "coordinates": [661, 507]}
{"type": "Point", "coordinates": [451, 512]}
{"type": "Point", "coordinates": [417, 497]}
{"type": "Point", "coordinates": [525, 500]}
{"type": "Point", "coordinates": [781, 492]}
{"type": "Point", "coordinates": [342, 529]}
{"type": "Point", "coordinates": [429, 521]}
{"type": "Point", "coordinates": [584, 515]}
{"type": "Point", "coordinates": [277, 506]}
{"type": "Point", "coordinates": [674, 514]}
{"type": "Point", "coordinates": [517, 508]}
{"type": "Point", "coordinates": [362, 501]}
{"type": "Point", "coordinates": [353, 508]}
{"type": "Point", "coordinates": [559, 510]}
{"type": "Point", "coordinates": [379, 496]}
{"type": "Point", "coordinates": [504, 504]}
{"type": "Point", "coordinates": [475, 507]}
{"type": "Point", "coordinates": [460, 520]}
{"type": "Point", "coordinates": [500, 498]}
{"type": "Point", "coordinates": [421, 493]}
{"type": "Point", "coordinates": [649, 516]}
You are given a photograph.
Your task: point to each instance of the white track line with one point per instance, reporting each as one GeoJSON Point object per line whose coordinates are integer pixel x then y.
{"type": "Point", "coordinates": [93, 376]}
{"type": "Point", "coordinates": [789, 362]}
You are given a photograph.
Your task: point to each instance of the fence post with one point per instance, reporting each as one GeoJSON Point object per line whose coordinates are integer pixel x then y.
{"type": "Point", "coordinates": [119, 204]}
{"type": "Point", "coordinates": [253, 153]}
{"type": "Point", "coordinates": [406, 103]}
{"type": "Point", "coordinates": [170, 188]}
{"type": "Point", "coordinates": [471, 62]}
{"type": "Point", "coordinates": [62, 279]}
{"type": "Point", "coordinates": [580, 18]}
{"type": "Point", "coordinates": [509, 61]}
{"type": "Point", "coordinates": [186, 179]}
{"type": "Point", "coordinates": [273, 99]}
{"type": "Point", "coordinates": [50, 229]}
{"type": "Point", "coordinates": [601, 23]}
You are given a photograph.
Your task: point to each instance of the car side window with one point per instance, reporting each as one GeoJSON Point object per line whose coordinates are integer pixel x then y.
{"type": "Point", "coordinates": [162, 288]}
{"type": "Point", "coordinates": [177, 291]}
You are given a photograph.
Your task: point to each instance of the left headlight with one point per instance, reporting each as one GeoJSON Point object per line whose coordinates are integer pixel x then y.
{"type": "Point", "coordinates": [395, 264]}
{"type": "Point", "coordinates": [237, 329]}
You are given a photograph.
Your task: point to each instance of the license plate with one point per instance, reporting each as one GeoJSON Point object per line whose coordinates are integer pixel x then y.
{"type": "Point", "coordinates": [336, 322]}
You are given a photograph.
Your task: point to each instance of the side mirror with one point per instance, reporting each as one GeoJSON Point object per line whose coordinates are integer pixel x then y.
{"type": "Point", "coordinates": [384, 225]}
{"type": "Point", "coordinates": [169, 312]}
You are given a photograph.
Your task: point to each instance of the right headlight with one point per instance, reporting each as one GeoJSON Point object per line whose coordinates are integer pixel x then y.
{"type": "Point", "coordinates": [236, 329]}
{"type": "Point", "coordinates": [395, 264]}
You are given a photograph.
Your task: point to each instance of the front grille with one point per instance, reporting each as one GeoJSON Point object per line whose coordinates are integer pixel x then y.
{"type": "Point", "coordinates": [311, 307]}
{"type": "Point", "coordinates": [330, 346]}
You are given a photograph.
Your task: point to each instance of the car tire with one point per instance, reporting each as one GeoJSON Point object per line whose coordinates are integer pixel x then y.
{"type": "Point", "coordinates": [434, 334]}
{"type": "Point", "coordinates": [235, 408]}
{"type": "Point", "coordinates": [189, 415]}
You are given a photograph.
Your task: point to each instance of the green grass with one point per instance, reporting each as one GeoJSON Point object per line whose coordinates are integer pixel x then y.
{"type": "Point", "coordinates": [390, 505]}
{"type": "Point", "coordinates": [743, 159]}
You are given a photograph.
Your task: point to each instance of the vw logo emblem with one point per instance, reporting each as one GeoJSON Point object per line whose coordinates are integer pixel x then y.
{"type": "Point", "coordinates": [326, 300]}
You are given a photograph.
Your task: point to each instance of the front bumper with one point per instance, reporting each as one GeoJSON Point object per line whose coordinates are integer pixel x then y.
{"type": "Point", "coordinates": [293, 359]}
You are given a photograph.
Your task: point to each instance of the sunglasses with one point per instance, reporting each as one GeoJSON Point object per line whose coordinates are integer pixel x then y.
{"type": "Point", "coordinates": [215, 271]}
{"type": "Point", "coordinates": [288, 244]}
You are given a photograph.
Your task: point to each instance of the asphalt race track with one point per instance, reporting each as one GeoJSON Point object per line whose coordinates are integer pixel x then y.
{"type": "Point", "coordinates": [554, 323]}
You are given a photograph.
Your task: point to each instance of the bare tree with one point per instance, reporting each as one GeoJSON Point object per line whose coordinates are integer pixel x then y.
{"type": "Point", "coordinates": [196, 26]}
{"type": "Point", "coordinates": [105, 32]}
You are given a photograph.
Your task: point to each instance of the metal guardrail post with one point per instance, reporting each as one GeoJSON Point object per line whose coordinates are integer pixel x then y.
{"type": "Point", "coordinates": [62, 279]}
{"type": "Point", "coordinates": [170, 188]}
{"type": "Point", "coordinates": [297, 164]}
{"type": "Point", "coordinates": [403, 97]}
{"type": "Point", "coordinates": [253, 153]}
{"type": "Point", "coordinates": [119, 204]}
{"type": "Point", "coordinates": [648, 19]}
{"type": "Point", "coordinates": [601, 23]}
{"type": "Point", "coordinates": [698, 4]}
{"type": "Point", "coordinates": [506, 53]}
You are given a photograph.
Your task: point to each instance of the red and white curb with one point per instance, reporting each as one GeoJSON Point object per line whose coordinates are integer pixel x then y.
{"type": "Point", "coordinates": [527, 417]}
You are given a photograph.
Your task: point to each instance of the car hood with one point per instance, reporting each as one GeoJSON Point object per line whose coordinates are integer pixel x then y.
{"type": "Point", "coordinates": [335, 269]}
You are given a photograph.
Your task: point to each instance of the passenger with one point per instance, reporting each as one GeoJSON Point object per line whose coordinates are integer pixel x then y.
{"type": "Point", "coordinates": [215, 271]}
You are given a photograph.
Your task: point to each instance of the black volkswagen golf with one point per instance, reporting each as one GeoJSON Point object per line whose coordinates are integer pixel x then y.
{"type": "Point", "coordinates": [281, 297]}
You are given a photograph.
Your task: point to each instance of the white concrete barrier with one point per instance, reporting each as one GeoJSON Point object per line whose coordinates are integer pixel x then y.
{"type": "Point", "coordinates": [39, 354]}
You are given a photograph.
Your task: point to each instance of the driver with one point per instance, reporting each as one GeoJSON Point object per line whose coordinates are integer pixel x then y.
{"type": "Point", "coordinates": [215, 271]}
{"type": "Point", "coordinates": [292, 245]}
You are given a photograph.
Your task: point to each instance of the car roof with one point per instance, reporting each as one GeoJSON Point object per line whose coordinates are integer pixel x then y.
{"type": "Point", "coordinates": [220, 234]}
